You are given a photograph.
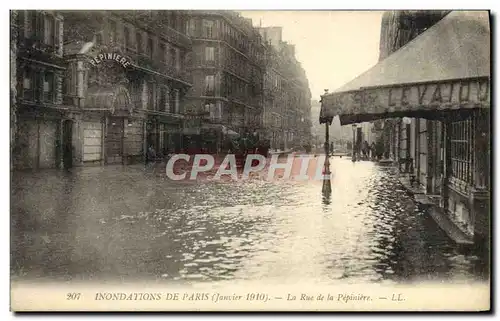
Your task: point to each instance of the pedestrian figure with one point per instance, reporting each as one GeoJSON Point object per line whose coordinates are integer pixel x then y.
{"type": "Point", "coordinates": [150, 157]}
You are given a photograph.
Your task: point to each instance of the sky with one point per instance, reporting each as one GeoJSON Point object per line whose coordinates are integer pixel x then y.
{"type": "Point", "coordinates": [334, 47]}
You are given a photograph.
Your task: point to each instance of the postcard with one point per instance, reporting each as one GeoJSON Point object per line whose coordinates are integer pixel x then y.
{"type": "Point", "coordinates": [202, 160]}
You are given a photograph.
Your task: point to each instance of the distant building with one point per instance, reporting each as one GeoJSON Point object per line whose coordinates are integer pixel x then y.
{"type": "Point", "coordinates": [287, 97]}
{"type": "Point", "coordinates": [227, 68]}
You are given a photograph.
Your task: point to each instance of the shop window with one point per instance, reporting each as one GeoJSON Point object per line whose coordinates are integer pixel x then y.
{"type": "Point", "coordinates": [461, 151]}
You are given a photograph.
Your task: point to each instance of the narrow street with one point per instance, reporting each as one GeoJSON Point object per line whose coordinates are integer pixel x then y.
{"type": "Point", "coordinates": [122, 223]}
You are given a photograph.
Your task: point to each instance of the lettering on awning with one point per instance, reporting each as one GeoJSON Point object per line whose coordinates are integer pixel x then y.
{"type": "Point", "coordinates": [473, 93]}
{"type": "Point", "coordinates": [110, 56]}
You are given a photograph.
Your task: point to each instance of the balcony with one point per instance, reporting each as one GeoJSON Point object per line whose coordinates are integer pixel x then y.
{"type": "Point", "coordinates": [34, 48]}
{"type": "Point", "coordinates": [177, 38]}
{"type": "Point", "coordinates": [157, 25]}
{"type": "Point", "coordinates": [147, 63]}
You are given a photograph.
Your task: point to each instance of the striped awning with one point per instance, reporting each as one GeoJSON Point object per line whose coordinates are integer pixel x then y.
{"type": "Point", "coordinates": [447, 67]}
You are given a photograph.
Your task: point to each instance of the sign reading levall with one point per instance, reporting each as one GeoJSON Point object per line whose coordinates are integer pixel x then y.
{"type": "Point", "coordinates": [457, 94]}
{"type": "Point", "coordinates": [110, 56]}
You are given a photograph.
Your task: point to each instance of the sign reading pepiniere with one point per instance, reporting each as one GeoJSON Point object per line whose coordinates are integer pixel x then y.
{"type": "Point", "coordinates": [110, 56]}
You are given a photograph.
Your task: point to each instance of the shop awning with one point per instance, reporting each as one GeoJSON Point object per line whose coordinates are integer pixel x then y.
{"type": "Point", "coordinates": [446, 67]}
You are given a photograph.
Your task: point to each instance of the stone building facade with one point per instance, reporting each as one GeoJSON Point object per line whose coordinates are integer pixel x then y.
{"type": "Point", "coordinates": [125, 83]}
{"type": "Point", "coordinates": [287, 98]}
{"type": "Point", "coordinates": [226, 64]}
{"type": "Point", "coordinates": [127, 80]}
{"type": "Point", "coordinates": [449, 157]}
{"type": "Point", "coordinates": [39, 113]}
{"type": "Point", "coordinates": [13, 80]}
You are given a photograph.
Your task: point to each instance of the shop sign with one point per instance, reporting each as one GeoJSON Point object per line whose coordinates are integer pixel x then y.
{"type": "Point", "coordinates": [457, 94]}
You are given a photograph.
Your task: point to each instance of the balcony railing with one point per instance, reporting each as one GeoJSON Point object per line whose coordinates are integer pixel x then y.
{"type": "Point", "coordinates": [36, 48]}
{"type": "Point", "coordinates": [146, 62]}
{"type": "Point", "coordinates": [157, 24]}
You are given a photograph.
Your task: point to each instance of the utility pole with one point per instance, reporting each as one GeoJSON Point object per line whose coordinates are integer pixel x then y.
{"type": "Point", "coordinates": [327, 145]}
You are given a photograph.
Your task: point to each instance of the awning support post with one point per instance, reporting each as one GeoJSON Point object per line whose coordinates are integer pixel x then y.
{"type": "Point", "coordinates": [327, 149]}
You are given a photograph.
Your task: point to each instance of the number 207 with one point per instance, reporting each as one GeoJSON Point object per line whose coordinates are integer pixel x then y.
{"type": "Point", "coordinates": [73, 296]}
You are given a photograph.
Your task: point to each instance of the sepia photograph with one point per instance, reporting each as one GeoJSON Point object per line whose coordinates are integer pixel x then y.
{"type": "Point", "coordinates": [223, 160]}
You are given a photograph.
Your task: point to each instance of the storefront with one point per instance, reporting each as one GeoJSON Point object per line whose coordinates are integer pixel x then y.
{"type": "Point", "coordinates": [438, 85]}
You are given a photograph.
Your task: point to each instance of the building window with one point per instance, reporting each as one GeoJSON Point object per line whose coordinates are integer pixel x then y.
{"type": "Point", "coordinates": [98, 39]}
{"type": "Point", "coordinates": [461, 152]}
{"type": "Point", "coordinates": [171, 98]}
{"type": "Point", "coordinates": [208, 26]}
{"type": "Point", "coordinates": [191, 27]}
{"type": "Point", "coordinates": [126, 37]}
{"type": "Point", "coordinates": [138, 37]}
{"type": "Point", "coordinates": [177, 59]}
{"type": "Point", "coordinates": [209, 85]}
{"type": "Point", "coordinates": [32, 17]}
{"type": "Point", "coordinates": [163, 99]}
{"type": "Point", "coordinates": [209, 54]}
{"type": "Point", "coordinates": [151, 96]}
{"type": "Point", "coordinates": [112, 31]}
{"type": "Point", "coordinates": [177, 100]}
{"type": "Point", "coordinates": [163, 52]}
{"type": "Point", "coordinates": [171, 57]}
{"type": "Point", "coordinates": [28, 88]}
{"type": "Point", "coordinates": [150, 51]}
{"type": "Point", "coordinates": [48, 87]}
{"type": "Point", "coordinates": [48, 30]}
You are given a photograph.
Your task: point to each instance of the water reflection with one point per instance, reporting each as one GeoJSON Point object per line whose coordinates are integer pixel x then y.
{"type": "Point", "coordinates": [106, 223]}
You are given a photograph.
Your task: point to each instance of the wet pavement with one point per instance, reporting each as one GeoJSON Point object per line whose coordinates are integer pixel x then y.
{"type": "Point", "coordinates": [123, 223]}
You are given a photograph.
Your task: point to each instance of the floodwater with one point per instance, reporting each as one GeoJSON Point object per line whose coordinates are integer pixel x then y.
{"type": "Point", "coordinates": [124, 223]}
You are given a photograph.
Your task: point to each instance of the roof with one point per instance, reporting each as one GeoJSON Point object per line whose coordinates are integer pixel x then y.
{"type": "Point", "coordinates": [455, 49]}
{"type": "Point", "coordinates": [463, 51]}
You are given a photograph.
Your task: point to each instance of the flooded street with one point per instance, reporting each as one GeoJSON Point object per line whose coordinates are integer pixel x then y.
{"type": "Point", "coordinates": [121, 223]}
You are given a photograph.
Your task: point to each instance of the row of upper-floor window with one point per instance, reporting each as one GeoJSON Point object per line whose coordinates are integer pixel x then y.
{"type": "Point", "coordinates": [43, 26]}
{"type": "Point", "coordinates": [158, 97]}
{"type": "Point", "coordinates": [38, 85]}
{"type": "Point", "coordinates": [231, 61]}
{"type": "Point", "coordinates": [221, 30]}
{"type": "Point", "coordinates": [229, 86]}
{"type": "Point", "coordinates": [136, 40]}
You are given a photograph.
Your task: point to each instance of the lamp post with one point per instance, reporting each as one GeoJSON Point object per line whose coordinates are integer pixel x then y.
{"type": "Point", "coordinates": [353, 158]}
{"type": "Point", "coordinates": [327, 145]}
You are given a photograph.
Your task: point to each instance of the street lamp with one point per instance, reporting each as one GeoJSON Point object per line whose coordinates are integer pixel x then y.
{"type": "Point", "coordinates": [353, 158]}
{"type": "Point", "coordinates": [327, 144]}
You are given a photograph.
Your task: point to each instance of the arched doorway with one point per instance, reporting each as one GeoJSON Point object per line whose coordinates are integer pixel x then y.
{"type": "Point", "coordinates": [116, 126]}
